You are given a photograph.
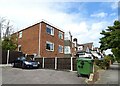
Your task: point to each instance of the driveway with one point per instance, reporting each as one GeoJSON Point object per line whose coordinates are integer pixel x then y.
{"type": "Point", "coordinates": [39, 76]}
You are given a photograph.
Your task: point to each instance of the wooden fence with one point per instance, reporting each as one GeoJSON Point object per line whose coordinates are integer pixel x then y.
{"type": "Point", "coordinates": [10, 56]}
{"type": "Point", "coordinates": [47, 63]}
{"type": "Point", "coordinates": [58, 63]}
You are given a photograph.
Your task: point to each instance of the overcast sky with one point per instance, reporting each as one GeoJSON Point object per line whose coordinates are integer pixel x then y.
{"type": "Point", "coordinates": [85, 20]}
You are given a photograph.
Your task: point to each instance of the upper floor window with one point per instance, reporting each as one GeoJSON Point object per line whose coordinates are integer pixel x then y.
{"type": "Point", "coordinates": [60, 49]}
{"type": "Point", "coordinates": [49, 30]}
{"type": "Point", "coordinates": [60, 35]}
{"type": "Point", "coordinates": [49, 46]}
{"type": "Point", "coordinates": [20, 34]}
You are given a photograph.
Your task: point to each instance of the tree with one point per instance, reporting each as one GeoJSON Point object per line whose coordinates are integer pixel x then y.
{"type": "Point", "coordinates": [8, 44]}
{"type": "Point", "coordinates": [111, 39]}
{"type": "Point", "coordinates": [1, 26]}
{"type": "Point", "coordinates": [7, 41]}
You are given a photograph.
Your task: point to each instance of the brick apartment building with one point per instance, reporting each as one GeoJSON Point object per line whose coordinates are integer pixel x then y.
{"type": "Point", "coordinates": [42, 39]}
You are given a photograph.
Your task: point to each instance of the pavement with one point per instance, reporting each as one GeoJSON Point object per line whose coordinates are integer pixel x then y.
{"type": "Point", "coordinates": [0, 76]}
{"type": "Point", "coordinates": [5, 65]}
{"type": "Point", "coordinates": [110, 76]}
{"type": "Point", "coordinates": [39, 76]}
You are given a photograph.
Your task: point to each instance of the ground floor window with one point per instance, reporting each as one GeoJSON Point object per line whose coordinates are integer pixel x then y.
{"type": "Point", "coordinates": [67, 50]}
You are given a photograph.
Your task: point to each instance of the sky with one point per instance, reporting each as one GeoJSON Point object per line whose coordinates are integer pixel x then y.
{"type": "Point", "coordinates": [85, 20]}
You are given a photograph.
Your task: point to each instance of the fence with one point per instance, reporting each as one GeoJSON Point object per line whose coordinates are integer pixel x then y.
{"type": "Point", "coordinates": [47, 63]}
{"type": "Point", "coordinates": [9, 56]}
{"type": "Point", "coordinates": [58, 63]}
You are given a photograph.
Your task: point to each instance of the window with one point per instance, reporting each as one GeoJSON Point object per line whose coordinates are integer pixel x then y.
{"type": "Point", "coordinates": [20, 34]}
{"type": "Point", "coordinates": [60, 49]}
{"type": "Point", "coordinates": [60, 35]}
{"type": "Point", "coordinates": [80, 47]}
{"type": "Point", "coordinates": [67, 50]}
{"type": "Point", "coordinates": [49, 30]}
{"type": "Point", "coordinates": [19, 47]}
{"type": "Point", "coordinates": [50, 46]}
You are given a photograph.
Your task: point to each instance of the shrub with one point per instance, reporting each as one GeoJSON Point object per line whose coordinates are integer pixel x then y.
{"type": "Point", "coordinates": [103, 64]}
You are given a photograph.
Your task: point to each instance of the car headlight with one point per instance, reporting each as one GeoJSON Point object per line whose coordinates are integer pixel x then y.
{"type": "Point", "coordinates": [38, 62]}
{"type": "Point", "coordinates": [28, 63]}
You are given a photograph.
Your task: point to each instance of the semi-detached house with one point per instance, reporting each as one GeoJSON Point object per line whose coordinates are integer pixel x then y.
{"type": "Point", "coordinates": [42, 39]}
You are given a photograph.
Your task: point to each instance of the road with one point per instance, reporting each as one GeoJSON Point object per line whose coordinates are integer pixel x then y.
{"type": "Point", "coordinates": [39, 76]}
{"type": "Point", "coordinates": [110, 76]}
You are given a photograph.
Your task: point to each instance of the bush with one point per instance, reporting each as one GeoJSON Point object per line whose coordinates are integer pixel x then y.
{"type": "Point", "coordinates": [111, 58]}
{"type": "Point", "coordinates": [117, 59]}
{"type": "Point", "coordinates": [103, 64]}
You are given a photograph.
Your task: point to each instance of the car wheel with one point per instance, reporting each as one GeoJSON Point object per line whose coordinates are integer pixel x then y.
{"type": "Point", "coordinates": [13, 64]}
{"type": "Point", "coordinates": [38, 66]}
{"type": "Point", "coordinates": [23, 66]}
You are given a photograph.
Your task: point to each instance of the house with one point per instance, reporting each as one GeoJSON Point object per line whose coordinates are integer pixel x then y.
{"type": "Point", "coordinates": [87, 50]}
{"type": "Point", "coordinates": [69, 46]}
{"type": "Point", "coordinates": [96, 52]}
{"type": "Point", "coordinates": [84, 50]}
{"type": "Point", "coordinates": [85, 47]}
{"type": "Point", "coordinates": [42, 39]}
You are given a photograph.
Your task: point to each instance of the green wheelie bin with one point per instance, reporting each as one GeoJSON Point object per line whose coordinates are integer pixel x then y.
{"type": "Point", "coordinates": [84, 66]}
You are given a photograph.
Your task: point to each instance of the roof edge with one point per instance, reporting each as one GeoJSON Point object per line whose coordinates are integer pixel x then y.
{"type": "Point", "coordinates": [41, 21]}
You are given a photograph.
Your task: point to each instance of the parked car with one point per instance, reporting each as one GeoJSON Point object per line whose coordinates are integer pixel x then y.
{"type": "Point", "coordinates": [22, 62]}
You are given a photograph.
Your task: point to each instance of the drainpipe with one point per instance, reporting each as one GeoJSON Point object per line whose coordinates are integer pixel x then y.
{"type": "Point", "coordinates": [8, 54]}
{"type": "Point", "coordinates": [39, 40]}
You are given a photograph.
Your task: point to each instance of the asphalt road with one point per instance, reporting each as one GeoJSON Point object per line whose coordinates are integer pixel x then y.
{"type": "Point", "coordinates": [39, 76]}
{"type": "Point", "coordinates": [110, 76]}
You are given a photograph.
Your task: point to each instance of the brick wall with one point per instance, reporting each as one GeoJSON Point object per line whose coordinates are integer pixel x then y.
{"type": "Point", "coordinates": [30, 39]}
{"type": "Point", "coordinates": [54, 39]}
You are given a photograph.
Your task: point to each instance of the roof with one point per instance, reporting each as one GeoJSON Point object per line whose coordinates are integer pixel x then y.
{"type": "Point", "coordinates": [86, 45]}
{"type": "Point", "coordinates": [42, 21]}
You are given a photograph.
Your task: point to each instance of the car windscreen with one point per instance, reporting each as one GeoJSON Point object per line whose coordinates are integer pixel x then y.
{"type": "Point", "coordinates": [22, 58]}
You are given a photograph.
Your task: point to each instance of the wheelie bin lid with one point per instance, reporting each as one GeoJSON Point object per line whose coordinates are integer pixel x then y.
{"type": "Point", "coordinates": [84, 58]}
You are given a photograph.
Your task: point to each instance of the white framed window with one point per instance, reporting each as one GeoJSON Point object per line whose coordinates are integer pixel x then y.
{"type": "Point", "coordinates": [67, 50]}
{"type": "Point", "coordinates": [49, 30]}
{"type": "Point", "coordinates": [20, 34]}
{"type": "Point", "coordinates": [60, 35]}
{"type": "Point", "coordinates": [80, 47]}
{"type": "Point", "coordinates": [19, 47]}
{"type": "Point", "coordinates": [49, 46]}
{"type": "Point", "coordinates": [60, 49]}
